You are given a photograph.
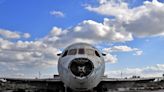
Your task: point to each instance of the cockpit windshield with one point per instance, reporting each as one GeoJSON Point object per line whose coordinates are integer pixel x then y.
{"type": "Point", "coordinates": [89, 52]}
{"type": "Point", "coordinates": [65, 53]}
{"type": "Point", "coordinates": [72, 52]}
{"type": "Point", "coordinates": [81, 51]}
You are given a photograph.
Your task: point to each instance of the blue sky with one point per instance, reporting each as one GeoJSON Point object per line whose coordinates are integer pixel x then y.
{"type": "Point", "coordinates": [34, 16]}
{"type": "Point", "coordinates": [129, 31]}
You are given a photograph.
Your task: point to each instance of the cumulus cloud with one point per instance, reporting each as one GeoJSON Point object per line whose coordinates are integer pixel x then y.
{"type": "Point", "coordinates": [148, 71]}
{"type": "Point", "coordinates": [7, 34]}
{"type": "Point", "coordinates": [35, 53]}
{"type": "Point", "coordinates": [119, 10]}
{"type": "Point", "coordinates": [87, 31]}
{"type": "Point", "coordinates": [26, 35]}
{"type": "Point", "coordinates": [110, 58]}
{"type": "Point", "coordinates": [57, 13]}
{"type": "Point", "coordinates": [141, 21]}
{"type": "Point", "coordinates": [102, 1]}
{"type": "Point", "coordinates": [138, 52]}
{"type": "Point", "coordinates": [113, 58]}
{"type": "Point", "coordinates": [18, 57]}
{"type": "Point", "coordinates": [123, 48]}
{"type": "Point", "coordinates": [17, 53]}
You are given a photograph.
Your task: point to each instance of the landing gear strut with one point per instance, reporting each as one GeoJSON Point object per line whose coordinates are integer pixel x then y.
{"type": "Point", "coordinates": [67, 89]}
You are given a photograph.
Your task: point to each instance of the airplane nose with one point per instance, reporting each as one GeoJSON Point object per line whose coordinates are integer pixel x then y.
{"type": "Point", "coordinates": [81, 67]}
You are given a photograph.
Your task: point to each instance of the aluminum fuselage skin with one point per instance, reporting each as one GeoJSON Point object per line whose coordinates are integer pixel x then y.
{"type": "Point", "coordinates": [86, 82]}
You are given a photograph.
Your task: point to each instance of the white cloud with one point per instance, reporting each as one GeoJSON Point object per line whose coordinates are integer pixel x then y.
{"type": "Point", "coordinates": [112, 8]}
{"type": "Point", "coordinates": [57, 13]}
{"type": "Point", "coordinates": [87, 31]}
{"type": "Point", "coordinates": [102, 1]}
{"type": "Point", "coordinates": [120, 49]}
{"type": "Point", "coordinates": [27, 53]}
{"type": "Point", "coordinates": [123, 48]}
{"type": "Point", "coordinates": [113, 58]}
{"type": "Point", "coordinates": [26, 35]}
{"type": "Point", "coordinates": [138, 52]}
{"type": "Point", "coordinates": [110, 58]}
{"type": "Point", "coordinates": [148, 71]}
{"type": "Point", "coordinates": [142, 21]}
{"type": "Point", "coordinates": [148, 23]}
{"type": "Point", "coordinates": [126, 49]}
{"type": "Point", "coordinates": [9, 34]}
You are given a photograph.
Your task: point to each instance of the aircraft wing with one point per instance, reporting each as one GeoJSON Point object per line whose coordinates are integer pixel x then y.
{"type": "Point", "coordinates": [49, 84]}
{"type": "Point", "coordinates": [55, 84]}
{"type": "Point", "coordinates": [120, 84]}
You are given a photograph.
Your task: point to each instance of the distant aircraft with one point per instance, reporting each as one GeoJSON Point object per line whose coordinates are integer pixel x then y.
{"type": "Point", "coordinates": [81, 67]}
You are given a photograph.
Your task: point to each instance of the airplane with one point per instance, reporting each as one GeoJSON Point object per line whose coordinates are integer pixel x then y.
{"type": "Point", "coordinates": [81, 68]}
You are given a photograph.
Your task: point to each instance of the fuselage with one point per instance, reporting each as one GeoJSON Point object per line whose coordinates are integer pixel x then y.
{"type": "Point", "coordinates": [81, 66]}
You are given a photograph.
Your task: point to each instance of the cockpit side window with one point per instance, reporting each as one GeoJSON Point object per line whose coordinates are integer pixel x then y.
{"type": "Point", "coordinates": [72, 52]}
{"type": "Point", "coordinates": [81, 51]}
{"type": "Point", "coordinates": [65, 53]}
{"type": "Point", "coordinates": [89, 52]}
{"type": "Point", "coordinates": [97, 54]}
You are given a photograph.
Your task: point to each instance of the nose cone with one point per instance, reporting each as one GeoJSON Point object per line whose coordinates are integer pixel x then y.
{"type": "Point", "coordinates": [81, 67]}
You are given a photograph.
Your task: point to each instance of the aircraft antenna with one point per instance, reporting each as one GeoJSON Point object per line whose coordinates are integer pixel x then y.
{"type": "Point", "coordinates": [121, 74]}
{"type": "Point", "coordinates": [39, 74]}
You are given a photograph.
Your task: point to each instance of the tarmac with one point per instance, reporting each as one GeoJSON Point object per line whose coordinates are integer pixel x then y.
{"type": "Point", "coordinates": [139, 91]}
